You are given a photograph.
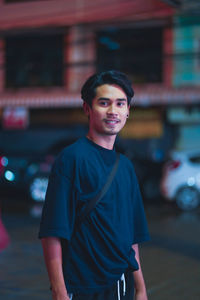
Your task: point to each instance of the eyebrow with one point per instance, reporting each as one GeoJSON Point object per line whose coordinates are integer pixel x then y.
{"type": "Point", "coordinates": [118, 99]}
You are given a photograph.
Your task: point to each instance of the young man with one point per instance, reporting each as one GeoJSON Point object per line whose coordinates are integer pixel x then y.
{"type": "Point", "coordinates": [99, 260]}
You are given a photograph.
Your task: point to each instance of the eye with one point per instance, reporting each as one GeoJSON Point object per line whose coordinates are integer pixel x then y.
{"type": "Point", "coordinates": [103, 103]}
{"type": "Point", "coordinates": [120, 103]}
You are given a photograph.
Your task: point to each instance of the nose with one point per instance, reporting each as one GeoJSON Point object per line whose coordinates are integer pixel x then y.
{"type": "Point", "coordinates": [112, 110]}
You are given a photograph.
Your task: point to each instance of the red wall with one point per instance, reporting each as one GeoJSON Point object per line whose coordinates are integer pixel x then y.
{"type": "Point", "coordinates": [168, 56]}
{"type": "Point", "coordinates": [65, 13]}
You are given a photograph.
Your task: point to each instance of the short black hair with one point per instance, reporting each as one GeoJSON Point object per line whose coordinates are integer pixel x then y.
{"type": "Point", "coordinates": [88, 91]}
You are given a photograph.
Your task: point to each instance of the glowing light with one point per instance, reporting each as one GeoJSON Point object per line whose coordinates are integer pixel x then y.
{"type": "Point", "coordinates": [4, 161]}
{"type": "Point", "coordinates": [191, 181]}
{"type": "Point", "coordinates": [10, 176]}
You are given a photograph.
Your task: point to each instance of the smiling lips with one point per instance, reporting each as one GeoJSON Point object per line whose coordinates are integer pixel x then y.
{"type": "Point", "coordinates": [112, 122]}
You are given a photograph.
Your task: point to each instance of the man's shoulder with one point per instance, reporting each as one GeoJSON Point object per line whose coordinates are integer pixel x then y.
{"type": "Point", "coordinates": [72, 152]}
{"type": "Point", "coordinates": [127, 164]}
{"type": "Point", "coordinates": [126, 161]}
{"type": "Point", "coordinates": [75, 152]}
{"type": "Point", "coordinates": [72, 149]}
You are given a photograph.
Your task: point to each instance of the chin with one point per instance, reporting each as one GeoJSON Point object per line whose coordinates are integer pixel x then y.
{"type": "Point", "coordinates": [111, 132]}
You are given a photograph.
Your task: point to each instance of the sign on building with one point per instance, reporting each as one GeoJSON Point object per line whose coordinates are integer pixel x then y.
{"type": "Point", "coordinates": [15, 118]}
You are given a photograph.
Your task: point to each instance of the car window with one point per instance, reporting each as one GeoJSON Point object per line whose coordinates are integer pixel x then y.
{"type": "Point", "coordinates": [195, 159]}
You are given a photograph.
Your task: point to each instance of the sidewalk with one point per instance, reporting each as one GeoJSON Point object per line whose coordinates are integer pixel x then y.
{"type": "Point", "coordinates": [171, 261]}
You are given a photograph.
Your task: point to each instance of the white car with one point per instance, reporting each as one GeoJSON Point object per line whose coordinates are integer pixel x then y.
{"type": "Point", "coordinates": [181, 179]}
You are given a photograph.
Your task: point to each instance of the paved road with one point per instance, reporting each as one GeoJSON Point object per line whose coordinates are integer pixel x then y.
{"type": "Point", "coordinates": [171, 261]}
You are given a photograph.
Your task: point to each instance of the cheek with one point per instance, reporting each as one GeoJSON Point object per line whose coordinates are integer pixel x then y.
{"type": "Point", "coordinates": [98, 114]}
{"type": "Point", "coordinates": [95, 117]}
{"type": "Point", "coordinates": [124, 121]}
{"type": "Point", "coordinates": [124, 115]}
{"type": "Point", "coordinates": [124, 118]}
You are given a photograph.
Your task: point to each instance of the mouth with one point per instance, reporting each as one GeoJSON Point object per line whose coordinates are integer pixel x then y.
{"type": "Point", "coordinates": [111, 122]}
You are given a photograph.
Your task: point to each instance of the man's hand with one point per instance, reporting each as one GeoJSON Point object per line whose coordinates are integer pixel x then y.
{"type": "Point", "coordinates": [140, 288]}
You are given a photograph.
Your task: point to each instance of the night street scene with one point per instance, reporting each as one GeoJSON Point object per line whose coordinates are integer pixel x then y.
{"type": "Point", "coordinates": [48, 49]}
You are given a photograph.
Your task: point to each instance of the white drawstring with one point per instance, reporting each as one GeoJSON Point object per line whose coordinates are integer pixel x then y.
{"type": "Point", "coordinates": [124, 286]}
{"type": "Point", "coordinates": [118, 290]}
{"type": "Point", "coordinates": [70, 296]}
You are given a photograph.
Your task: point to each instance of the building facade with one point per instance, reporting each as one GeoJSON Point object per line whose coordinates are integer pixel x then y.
{"type": "Point", "coordinates": [48, 49]}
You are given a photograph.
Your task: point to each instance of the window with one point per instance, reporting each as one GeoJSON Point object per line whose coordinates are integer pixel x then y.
{"type": "Point", "coordinates": [34, 61]}
{"type": "Point", "coordinates": [195, 159]}
{"type": "Point", "coordinates": [137, 52]}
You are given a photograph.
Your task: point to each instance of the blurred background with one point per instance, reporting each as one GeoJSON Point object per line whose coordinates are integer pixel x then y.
{"type": "Point", "coordinates": [47, 50]}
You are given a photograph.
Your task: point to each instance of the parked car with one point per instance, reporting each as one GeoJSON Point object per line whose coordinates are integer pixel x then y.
{"type": "Point", "coordinates": [39, 170]}
{"type": "Point", "coordinates": [181, 179]}
{"type": "Point", "coordinates": [29, 173]}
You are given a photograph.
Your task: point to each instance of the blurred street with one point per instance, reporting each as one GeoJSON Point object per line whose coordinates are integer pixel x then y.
{"type": "Point", "coordinates": [171, 261]}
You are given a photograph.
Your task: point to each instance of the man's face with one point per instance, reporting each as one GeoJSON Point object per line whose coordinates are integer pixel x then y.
{"type": "Point", "coordinates": [109, 110]}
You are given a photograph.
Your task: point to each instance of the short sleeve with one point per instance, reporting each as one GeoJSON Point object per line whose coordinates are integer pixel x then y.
{"type": "Point", "coordinates": [58, 214]}
{"type": "Point", "coordinates": [141, 233]}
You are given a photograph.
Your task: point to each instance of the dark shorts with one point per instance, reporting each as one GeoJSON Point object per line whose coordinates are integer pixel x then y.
{"type": "Point", "coordinates": [112, 293]}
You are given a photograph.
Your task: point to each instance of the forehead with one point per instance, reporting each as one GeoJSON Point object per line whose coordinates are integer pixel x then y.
{"type": "Point", "coordinates": [110, 91]}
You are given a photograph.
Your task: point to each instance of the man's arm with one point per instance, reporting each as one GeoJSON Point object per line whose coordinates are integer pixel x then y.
{"type": "Point", "coordinates": [53, 259]}
{"type": "Point", "coordinates": [140, 288]}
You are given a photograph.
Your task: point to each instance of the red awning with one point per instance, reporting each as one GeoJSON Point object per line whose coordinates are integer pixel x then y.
{"type": "Point", "coordinates": [144, 96]}
{"type": "Point", "coordinates": [67, 13]}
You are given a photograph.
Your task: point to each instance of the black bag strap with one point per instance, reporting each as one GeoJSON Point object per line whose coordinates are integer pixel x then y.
{"type": "Point", "coordinates": [93, 202]}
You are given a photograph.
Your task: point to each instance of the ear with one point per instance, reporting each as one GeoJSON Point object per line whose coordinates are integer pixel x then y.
{"type": "Point", "coordinates": [86, 108]}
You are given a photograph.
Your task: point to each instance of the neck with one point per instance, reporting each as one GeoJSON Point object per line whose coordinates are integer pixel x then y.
{"type": "Point", "coordinates": [105, 141]}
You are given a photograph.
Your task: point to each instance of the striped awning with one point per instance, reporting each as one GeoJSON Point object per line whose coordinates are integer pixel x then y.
{"type": "Point", "coordinates": [144, 96]}
{"type": "Point", "coordinates": [161, 95]}
{"type": "Point", "coordinates": [41, 100]}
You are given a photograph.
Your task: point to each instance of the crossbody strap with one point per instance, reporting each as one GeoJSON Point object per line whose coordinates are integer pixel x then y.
{"type": "Point", "coordinates": [93, 202]}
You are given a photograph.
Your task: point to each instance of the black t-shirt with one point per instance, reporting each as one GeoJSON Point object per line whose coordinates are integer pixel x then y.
{"type": "Point", "coordinates": [100, 250]}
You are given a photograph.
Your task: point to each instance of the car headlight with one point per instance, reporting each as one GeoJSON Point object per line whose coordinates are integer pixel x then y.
{"type": "Point", "coordinates": [9, 175]}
